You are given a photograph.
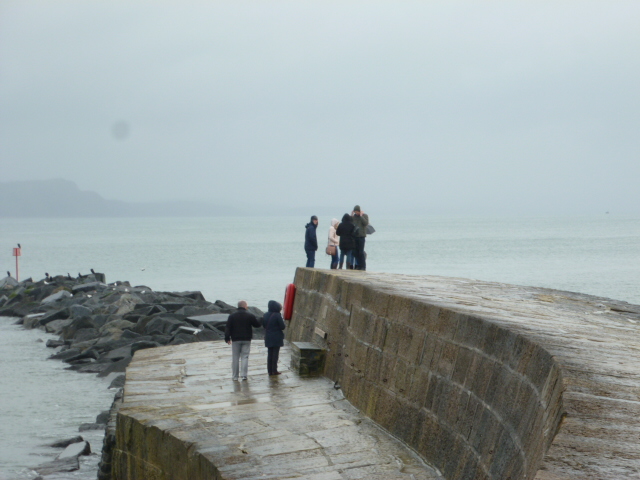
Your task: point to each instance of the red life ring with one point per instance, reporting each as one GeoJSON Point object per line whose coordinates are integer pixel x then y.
{"type": "Point", "coordinates": [289, 297]}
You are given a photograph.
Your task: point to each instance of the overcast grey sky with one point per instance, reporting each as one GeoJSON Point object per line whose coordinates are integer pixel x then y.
{"type": "Point", "coordinates": [442, 107]}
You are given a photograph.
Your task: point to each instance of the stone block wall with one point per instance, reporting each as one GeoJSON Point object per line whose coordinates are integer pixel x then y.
{"type": "Point", "coordinates": [475, 399]}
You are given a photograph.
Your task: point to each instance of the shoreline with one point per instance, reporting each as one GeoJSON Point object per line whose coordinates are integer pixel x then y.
{"type": "Point", "coordinates": [100, 326]}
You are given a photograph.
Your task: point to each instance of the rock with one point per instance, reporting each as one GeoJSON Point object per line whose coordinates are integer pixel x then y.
{"type": "Point", "coordinates": [89, 287]}
{"type": "Point", "coordinates": [116, 326]}
{"type": "Point", "coordinates": [77, 324]}
{"type": "Point", "coordinates": [61, 314]}
{"type": "Point", "coordinates": [85, 334]}
{"type": "Point", "coordinates": [62, 294]}
{"type": "Point", "coordinates": [116, 367]}
{"type": "Point", "coordinates": [66, 442]}
{"type": "Point", "coordinates": [3, 299]}
{"type": "Point", "coordinates": [70, 464]}
{"type": "Point", "coordinates": [209, 335]}
{"type": "Point", "coordinates": [162, 326]}
{"type": "Point", "coordinates": [90, 354]}
{"type": "Point", "coordinates": [77, 311]}
{"type": "Point", "coordinates": [63, 355]}
{"type": "Point", "coordinates": [51, 343]}
{"type": "Point", "coordinates": [135, 346]}
{"type": "Point", "coordinates": [75, 450]}
{"type": "Point", "coordinates": [117, 382]}
{"type": "Point", "coordinates": [103, 417]}
{"type": "Point", "coordinates": [31, 321]}
{"type": "Point", "coordinates": [256, 311]}
{"type": "Point", "coordinates": [180, 338]}
{"type": "Point", "coordinates": [57, 326]}
{"type": "Point", "coordinates": [117, 354]}
{"type": "Point", "coordinates": [89, 426]}
{"type": "Point", "coordinates": [93, 367]}
{"type": "Point", "coordinates": [194, 295]}
{"type": "Point", "coordinates": [8, 282]}
{"type": "Point", "coordinates": [225, 307]}
{"type": "Point", "coordinates": [127, 303]}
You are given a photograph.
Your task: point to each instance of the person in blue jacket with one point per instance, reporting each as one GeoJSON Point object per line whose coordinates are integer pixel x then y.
{"type": "Point", "coordinates": [274, 335]}
{"type": "Point", "coordinates": [311, 241]}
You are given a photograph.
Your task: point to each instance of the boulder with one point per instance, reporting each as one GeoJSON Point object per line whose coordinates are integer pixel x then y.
{"type": "Point", "coordinates": [116, 367]}
{"type": "Point", "coordinates": [57, 326]}
{"type": "Point", "coordinates": [84, 334]}
{"type": "Point", "coordinates": [70, 330]}
{"type": "Point", "coordinates": [103, 417]}
{"type": "Point", "coordinates": [8, 283]}
{"type": "Point", "coordinates": [117, 382]}
{"type": "Point", "coordinates": [60, 295]}
{"type": "Point", "coordinates": [51, 343]}
{"type": "Point", "coordinates": [180, 338]}
{"type": "Point", "coordinates": [127, 303]}
{"type": "Point", "coordinates": [65, 442]}
{"type": "Point", "coordinates": [77, 311]}
{"type": "Point", "coordinates": [88, 287]}
{"type": "Point", "coordinates": [90, 426]}
{"type": "Point", "coordinates": [65, 354]}
{"type": "Point", "coordinates": [70, 464]}
{"type": "Point", "coordinates": [225, 307]}
{"type": "Point", "coordinates": [193, 295]}
{"type": "Point", "coordinates": [116, 326]}
{"type": "Point", "coordinates": [135, 346]}
{"type": "Point", "coordinates": [209, 335]}
{"type": "Point", "coordinates": [117, 354]}
{"type": "Point", "coordinates": [162, 326]}
{"type": "Point", "coordinates": [60, 314]}
{"type": "Point", "coordinates": [31, 321]}
{"type": "Point", "coordinates": [74, 450]}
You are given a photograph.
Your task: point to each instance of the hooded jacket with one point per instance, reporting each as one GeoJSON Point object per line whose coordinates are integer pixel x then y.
{"type": "Point", "coordinates": [310, 237]}
{"type": "Point", "coordinates": [346, 231]}
{"type": "Point", "coordinates": [274, 326]}
{"type": "Point", "coordinates": [333, 238]}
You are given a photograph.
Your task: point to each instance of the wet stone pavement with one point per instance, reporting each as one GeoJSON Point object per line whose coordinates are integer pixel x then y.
{"type": "Point", "coordinates": [283, 426]}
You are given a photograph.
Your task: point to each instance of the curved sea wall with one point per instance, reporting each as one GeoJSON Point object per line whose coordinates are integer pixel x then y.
{"type": "Point", "coordinates": [483, 380]}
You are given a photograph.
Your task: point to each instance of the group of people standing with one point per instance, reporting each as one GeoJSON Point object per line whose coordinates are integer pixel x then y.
{"type": "Point", "coordinates": [346, 240]}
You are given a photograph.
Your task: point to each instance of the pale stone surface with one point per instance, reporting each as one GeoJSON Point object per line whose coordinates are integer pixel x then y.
{"type": "Point", "coordinates": [484, 380]}
{"type": "Point", "coordinates": [183, 417]}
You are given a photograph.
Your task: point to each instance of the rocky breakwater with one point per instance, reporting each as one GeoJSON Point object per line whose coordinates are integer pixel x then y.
{"type": "Point", "coordinates": [99, 327]}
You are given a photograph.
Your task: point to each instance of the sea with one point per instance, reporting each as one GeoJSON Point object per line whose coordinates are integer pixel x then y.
{"type": "Point", "coordinates": [253, 259]}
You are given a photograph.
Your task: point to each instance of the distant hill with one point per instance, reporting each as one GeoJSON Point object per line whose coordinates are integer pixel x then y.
{"type": "Point", "coordinates": [63, 198]}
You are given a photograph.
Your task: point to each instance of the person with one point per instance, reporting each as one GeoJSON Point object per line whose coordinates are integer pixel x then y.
{"type": "Point", "coordinates": [238, 334]}
{"type": "Point", "coordinates": [273, 324]}
{"type": "Point", "coordinates": [347, 240]}
{"type": "Point", "coordinates": [360, 221]}
{"type": "Point", "coordinates": [311, 241]}
{"type": "Point", "coordinates": [334, 240]}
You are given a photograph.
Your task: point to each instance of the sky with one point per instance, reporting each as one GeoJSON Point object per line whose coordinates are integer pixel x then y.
{"type": "Point", "coordinates": [437, 107]}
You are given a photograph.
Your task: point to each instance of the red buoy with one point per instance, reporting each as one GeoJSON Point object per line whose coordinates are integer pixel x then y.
{"type": "Point", "coordinates": [289, 297]}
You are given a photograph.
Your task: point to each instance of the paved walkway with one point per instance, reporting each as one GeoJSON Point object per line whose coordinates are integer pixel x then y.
{"type": "Point", "coordinates": [266, 427]}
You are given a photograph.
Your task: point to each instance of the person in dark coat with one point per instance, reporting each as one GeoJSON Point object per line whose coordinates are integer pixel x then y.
{"type": "Point", "coordinates": [238, 333]}
{"type": "Point", "coordinates": [311, 241]}
{"type": "Point", "coordinates": [360, 220]}
{"type": "Point", "coordinates": [273, 324]}
{"type": "Point", "coordinates": [346, 231]}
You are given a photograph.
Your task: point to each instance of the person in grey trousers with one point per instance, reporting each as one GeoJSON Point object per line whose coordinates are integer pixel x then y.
{"type": "Point", "coordinates": [238, 333]}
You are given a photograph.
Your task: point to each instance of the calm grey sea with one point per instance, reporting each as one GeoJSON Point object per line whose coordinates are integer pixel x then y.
{"type": "Point", "coordinates": [254, 259]}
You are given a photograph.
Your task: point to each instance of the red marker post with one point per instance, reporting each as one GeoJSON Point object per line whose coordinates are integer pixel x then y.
{"type": "Point", "coordinates": [17, 253]}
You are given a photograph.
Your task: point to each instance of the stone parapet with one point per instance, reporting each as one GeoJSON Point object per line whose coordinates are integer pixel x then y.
{"type": "Point", "coordinates": [483, 380]}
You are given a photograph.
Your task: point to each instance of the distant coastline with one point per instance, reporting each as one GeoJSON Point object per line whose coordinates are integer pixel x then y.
{"type": "Point", "coordinates": [63, 199]}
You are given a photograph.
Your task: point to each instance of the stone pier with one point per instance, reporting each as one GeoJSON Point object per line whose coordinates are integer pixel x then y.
{"type": "Point", "coordinates": [481, 380]}
{"type": "Point", "coordinates": [184, 418]}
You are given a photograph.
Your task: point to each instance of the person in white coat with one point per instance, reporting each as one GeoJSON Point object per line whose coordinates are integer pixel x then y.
{"type": "Point", "coordinates": [335, 241]}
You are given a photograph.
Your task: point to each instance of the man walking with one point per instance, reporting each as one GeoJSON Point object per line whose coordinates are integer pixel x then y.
{"type": "Point", "coordinates": [360, 221]}
{"type": "Point", "coordinates": [311, 241]}
{"type": "Point", "coordinates": [238, 334]}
